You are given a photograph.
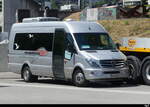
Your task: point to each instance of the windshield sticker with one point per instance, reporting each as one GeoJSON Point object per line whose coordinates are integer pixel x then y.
{"type": "Point", "coordinates": [85, 47]}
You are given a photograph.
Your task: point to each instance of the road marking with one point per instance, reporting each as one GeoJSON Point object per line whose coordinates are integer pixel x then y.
{"type": "Point", "coordinates": [77, 89]}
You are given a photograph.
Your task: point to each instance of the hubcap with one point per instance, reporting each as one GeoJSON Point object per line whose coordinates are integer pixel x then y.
{"type": "Point", "coordinates": [148, 72]}
{"type": "Point", "coordinates": [26, 75]}
{"type": "Point", "coordinates": [79, 78]}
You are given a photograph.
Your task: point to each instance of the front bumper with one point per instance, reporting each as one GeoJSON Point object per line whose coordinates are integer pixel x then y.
{"type": "Point", "coordinates": [107, 74]}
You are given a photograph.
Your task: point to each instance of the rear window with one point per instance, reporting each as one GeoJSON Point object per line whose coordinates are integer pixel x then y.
{"type": "Point", "coordinates": [33, 41]}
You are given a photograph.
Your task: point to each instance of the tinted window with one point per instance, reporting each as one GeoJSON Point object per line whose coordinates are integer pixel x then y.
{"type": "Point", "coordinates": [33, 41]}
{"type": "Point", "coordinates": [69, 42]}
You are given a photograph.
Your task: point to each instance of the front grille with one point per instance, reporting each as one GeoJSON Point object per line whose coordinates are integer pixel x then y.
{"type": "Point", "coordinates": [112, 63]}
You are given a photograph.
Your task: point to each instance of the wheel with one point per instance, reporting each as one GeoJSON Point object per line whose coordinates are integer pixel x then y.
{"type": "Point", "coordinates": [27, 75]}
{"type": "Point", "coordinates": [134, 69]}
{"type": "Point", "coordinates": [79, 79]}
{"type": "Point", "coordinates": [146, 73]}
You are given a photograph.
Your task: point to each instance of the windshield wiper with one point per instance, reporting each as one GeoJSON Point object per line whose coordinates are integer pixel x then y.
{"type": "Point", "coordinates": [112, 49]}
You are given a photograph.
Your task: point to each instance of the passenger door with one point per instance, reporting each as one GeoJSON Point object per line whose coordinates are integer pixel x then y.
{"type": "Point", "coordinates": [58, 54]}
{"type": "Point", "coordinates": [69, 59]}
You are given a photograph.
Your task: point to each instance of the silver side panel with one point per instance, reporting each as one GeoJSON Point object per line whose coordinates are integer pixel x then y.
{"type": "Point", "coordinates": [69, 67]}
{"type": "Point", "coordinates": [39, 65]}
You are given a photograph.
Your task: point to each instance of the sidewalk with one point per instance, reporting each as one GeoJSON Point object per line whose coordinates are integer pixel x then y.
{"type": "Point", "coordinates": [9, 75]}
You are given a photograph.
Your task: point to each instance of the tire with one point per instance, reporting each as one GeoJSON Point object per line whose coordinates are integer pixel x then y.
{"type": "Point", "coordinates": [146, 73]}
{"type": "Point", "coordinates": [79, 78]}
{"type": "Point", "coordinates": [27, 75]}
{"type": "Point", "coordinates": [134, 68]}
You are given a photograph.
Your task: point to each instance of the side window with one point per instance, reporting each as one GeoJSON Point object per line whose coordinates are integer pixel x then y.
{"type": "Point", "coordinates": [33, 41]}
{"type": "Point", "coordinates": [43, 40]}
{"type": "Point", "coordinates": [21, 42]}
{"type": "Point", "coordinates": [69, 47]}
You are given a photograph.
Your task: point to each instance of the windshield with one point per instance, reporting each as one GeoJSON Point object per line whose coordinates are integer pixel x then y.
{"type": "Point", "coordinates": [94, 41]}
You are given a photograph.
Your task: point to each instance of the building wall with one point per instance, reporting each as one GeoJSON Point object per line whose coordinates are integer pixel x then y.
{"type": "Point", "coordinates": [9, 11]}
{"type": "Point", "coordinates": [95, 14]}
{"type": "Point", "coordinates": [4, 58]}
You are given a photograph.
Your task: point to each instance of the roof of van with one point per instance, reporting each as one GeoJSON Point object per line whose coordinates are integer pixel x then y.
{"type": "Point", "coordinates": [72, 26]}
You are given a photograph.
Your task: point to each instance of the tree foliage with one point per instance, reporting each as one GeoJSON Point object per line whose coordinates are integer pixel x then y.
{"type": "Point", "coordinates": [53, 4]}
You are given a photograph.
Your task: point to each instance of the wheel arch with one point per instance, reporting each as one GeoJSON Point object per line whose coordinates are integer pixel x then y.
{"type": "Point", "coordinates": [79, 83]}
{"type": "Point", "coordinates": [144, 61]}
{"type": "Point", "coordinates": [26, 64]}
{"type": "Point", "coordinates": [77, 67]}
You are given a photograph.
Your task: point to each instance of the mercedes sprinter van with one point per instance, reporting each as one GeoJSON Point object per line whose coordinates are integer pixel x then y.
{"type": "Point", "coordinates": [65, 50]}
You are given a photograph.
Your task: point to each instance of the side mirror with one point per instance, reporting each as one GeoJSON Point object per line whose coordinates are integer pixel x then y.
{"type": "Point", "coordinates": [72, 49]}
{"type": "Point", "coordinates": [118, 45]}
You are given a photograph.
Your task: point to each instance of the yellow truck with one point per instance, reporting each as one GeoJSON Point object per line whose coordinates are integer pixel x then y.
{"type": "Point", "coordinates": [137, 51]}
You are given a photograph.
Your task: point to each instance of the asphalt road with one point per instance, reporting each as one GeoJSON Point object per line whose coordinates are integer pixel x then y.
{"type": "Point", "coordinates": [14, 90]}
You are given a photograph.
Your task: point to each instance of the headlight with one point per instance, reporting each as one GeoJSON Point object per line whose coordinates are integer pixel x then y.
{"type": "Point", "coordinates": [93, 63]}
